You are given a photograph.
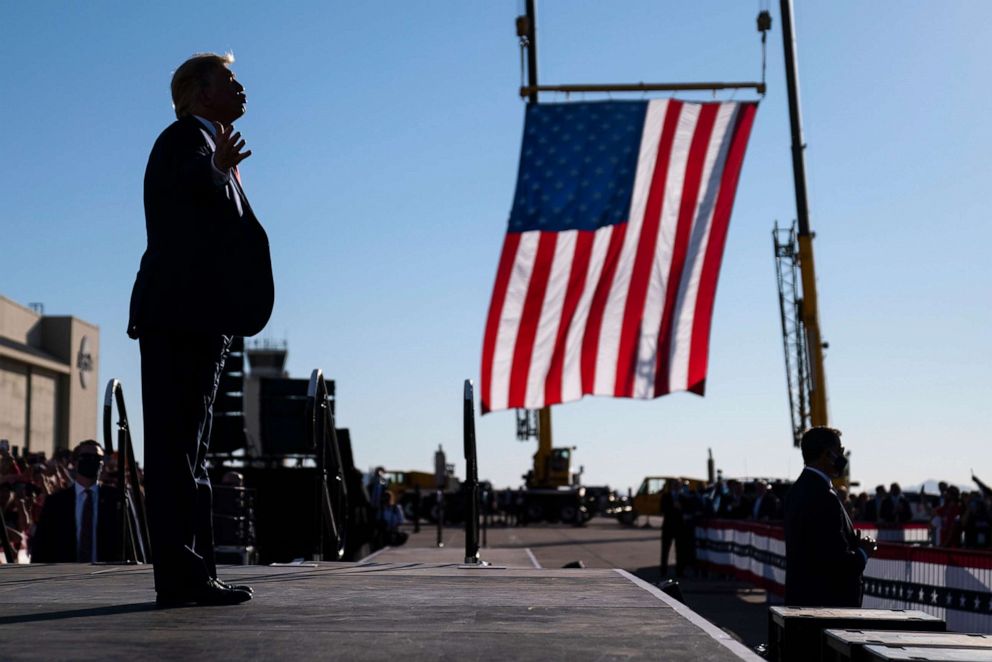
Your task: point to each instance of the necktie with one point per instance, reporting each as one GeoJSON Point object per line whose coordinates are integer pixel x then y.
{"type": "Point", "coordinates": [85, 553]}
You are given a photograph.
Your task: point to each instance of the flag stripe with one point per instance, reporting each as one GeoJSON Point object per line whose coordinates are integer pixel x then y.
{"type": "Point", "coordinates": [682, 317]}
{"type": "Point", "coordinates": [654, 306]}
{"type": "Point", "coordinates": [548, 327]}
{"type": "Point", "coordinates": [572, 370]}
{"type": "Point", "coordinates": [634, 310]}
{"type": "Point", "coordinates": [594, 325]}
{"type": "Point", "coordinates": [506, 335]}
{"type": "Point", "coordinates": [495, 311]}
{"type": "Point", "coordinates": [706, 295]}
{"type": "Point", "coordinates": [531, 315]}
{"type": "Point", "coordinates": [687, 208]}
{"type": "Point", "coordinates": [576, 284]}
{"type": "Point", "coordinates": [612, 326]}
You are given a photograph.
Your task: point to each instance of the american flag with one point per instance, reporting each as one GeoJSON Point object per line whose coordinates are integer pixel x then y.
{"type": "Point", "coordinates": [608, 273]}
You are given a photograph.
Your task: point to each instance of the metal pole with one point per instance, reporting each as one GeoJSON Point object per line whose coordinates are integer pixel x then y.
{"type": "Point", "coordinates": [486, 513]}
{"type": "Point", "coordinates": [124, 506]}
{"type": "Point", "coordinates": [471, 477]}
{"type": "Point", "coordinates": [441, 482]}
{"type": "Point", "coordinates": [416, 509]}
{"type": "Point", "coordinates": [809, 309]}
{"type": "Point", "coordinates": [440, 517]}
{"type": "Point", "coordinates": [532, 51]}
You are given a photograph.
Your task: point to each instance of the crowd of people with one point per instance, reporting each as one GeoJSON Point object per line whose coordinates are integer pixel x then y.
{"type": "Point", "coordinates": [957, 518]}
{"type": "Point", "coordinates": [25, 482]}
{"type": "Point", "coordinates": [28, 480]}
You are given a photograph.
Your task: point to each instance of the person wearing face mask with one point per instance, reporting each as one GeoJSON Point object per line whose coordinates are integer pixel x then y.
{"type": "Point", "coordinates": [825, 557]}
{"type": "Point", "coordinates": [80, 524]}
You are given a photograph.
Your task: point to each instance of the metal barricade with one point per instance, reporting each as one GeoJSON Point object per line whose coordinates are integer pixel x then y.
{"type": "Point", "coordinates": [952, 584]}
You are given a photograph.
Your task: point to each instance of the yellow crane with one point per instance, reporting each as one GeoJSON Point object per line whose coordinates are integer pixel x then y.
{"type": "Point", "coordinates": [802, 340]}
{"type": "Point", "coordinates": [794, 252]}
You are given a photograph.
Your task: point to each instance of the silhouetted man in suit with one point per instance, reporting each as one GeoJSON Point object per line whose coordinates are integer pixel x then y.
{"type": "Point", "coordinates": [82, 523]}
{"type": "Point", "coordinates": [824, 556]}
{"type": "Point", "coordinates": [205, 277]}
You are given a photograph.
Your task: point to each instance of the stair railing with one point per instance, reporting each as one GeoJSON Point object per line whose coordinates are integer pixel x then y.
{"type": "Point", "coordinates": [332, 495]}
{"type": "Point", "coordinates": [135, 547]}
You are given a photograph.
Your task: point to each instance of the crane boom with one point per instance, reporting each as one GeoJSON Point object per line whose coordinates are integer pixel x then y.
{"type": "Point", "coordinates": [806, 306]}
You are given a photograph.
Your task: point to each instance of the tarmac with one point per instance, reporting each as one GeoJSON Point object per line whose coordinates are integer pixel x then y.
{"type": "Point", "coordinates": [414, 602]}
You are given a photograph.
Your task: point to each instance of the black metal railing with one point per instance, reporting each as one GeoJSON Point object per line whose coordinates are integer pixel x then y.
{"type": "Point", "coordinates": [332, 495]}
{"type": "Point", "coordinates": [135, 541]}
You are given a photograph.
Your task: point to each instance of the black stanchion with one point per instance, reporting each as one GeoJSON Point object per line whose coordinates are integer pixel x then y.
{"type": "Point", "coordinates": [471, 478]}
{"type": "Point", "coordinates": [487, 513]}
{"type": "Point", "coordinates": [416, 509]}
{"type": "Point", "coordinates": [440, 518]}
{"type": "Point", "coordinates": [441, 481]}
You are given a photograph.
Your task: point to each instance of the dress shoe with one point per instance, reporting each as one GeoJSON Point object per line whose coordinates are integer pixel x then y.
{"type": "Point", "coordinates": [237, 587]}
{"type": "Point", "coordinates": [210, 593]}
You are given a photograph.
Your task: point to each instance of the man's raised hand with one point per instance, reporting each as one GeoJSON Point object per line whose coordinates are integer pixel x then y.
{"type": "Point", "coordinates": [229, 144]}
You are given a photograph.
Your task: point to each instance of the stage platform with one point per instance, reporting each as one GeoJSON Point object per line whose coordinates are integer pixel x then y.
{"type": "Point", "coordinates": [378, 609]}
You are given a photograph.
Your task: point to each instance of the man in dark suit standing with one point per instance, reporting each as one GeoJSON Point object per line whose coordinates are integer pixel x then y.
{"type": "Point", "coordinates": [825, 557]}
{"type": "Point", "coordinates": [82, 523]}
{"type": "Point", "coordinates": [672, 525]}
{"type": "Point", "coordinates": [205, 277]}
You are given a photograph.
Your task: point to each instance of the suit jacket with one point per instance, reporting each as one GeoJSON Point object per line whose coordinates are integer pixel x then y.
{"type": "Point", "coordinates": [823, 565]}
{"type": "Point", "coordinates": [673, 516]}
{"type": "Point", "coordinates": [54, 540]}
{"type": "Point", "coordinates": [207, 266]}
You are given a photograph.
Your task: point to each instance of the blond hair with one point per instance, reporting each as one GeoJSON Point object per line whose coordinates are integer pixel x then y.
{"type": "Point", "coordinates": [192, 77]}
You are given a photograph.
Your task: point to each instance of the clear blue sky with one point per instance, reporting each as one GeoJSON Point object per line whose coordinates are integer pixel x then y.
{"type": "Point", "coordinates": [385, 139]}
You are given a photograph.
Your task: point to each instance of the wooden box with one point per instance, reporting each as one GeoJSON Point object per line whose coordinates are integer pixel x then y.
{"type": "Point", "coordinates": [849, 645]}
{"type": "Point", "coordinates": [795, 634]}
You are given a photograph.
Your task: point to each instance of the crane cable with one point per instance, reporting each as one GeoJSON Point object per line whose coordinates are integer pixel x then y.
{"type": "Point", "coordinates": [523, 29]}
{"type": "Point", "coordinates": [764, 25]}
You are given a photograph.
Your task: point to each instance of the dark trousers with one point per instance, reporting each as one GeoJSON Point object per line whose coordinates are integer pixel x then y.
{"type": "Point", "coordinates": [179, 377]}
{"type": "Point", "coordinates": [668, 536]}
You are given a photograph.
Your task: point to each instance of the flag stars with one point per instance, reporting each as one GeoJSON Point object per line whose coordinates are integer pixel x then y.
{"type": "Point", "coordinates": [576, 164]}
